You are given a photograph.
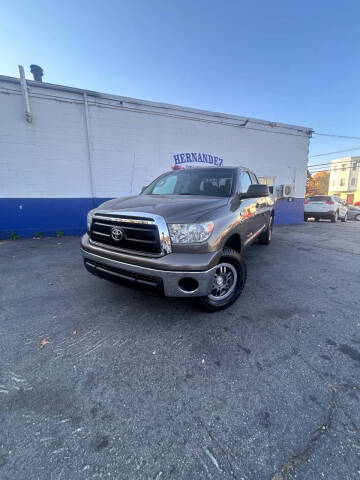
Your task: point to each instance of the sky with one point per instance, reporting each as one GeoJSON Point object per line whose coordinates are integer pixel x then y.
{"type": "Point", "coordinates": [279, 60]}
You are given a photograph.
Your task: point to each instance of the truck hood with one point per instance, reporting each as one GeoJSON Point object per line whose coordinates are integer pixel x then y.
{"type": "Point", "coordinates": [174, 208]}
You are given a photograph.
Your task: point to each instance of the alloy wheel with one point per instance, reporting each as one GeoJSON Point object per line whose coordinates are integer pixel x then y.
{"type": "Point", "coordinates": [224, 282]}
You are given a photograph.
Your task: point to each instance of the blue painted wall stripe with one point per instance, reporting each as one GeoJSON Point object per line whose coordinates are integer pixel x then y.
{"type": "Point", "coordinates": [28, 216]}
{"type": "Point", "coordinates": [288, 213]}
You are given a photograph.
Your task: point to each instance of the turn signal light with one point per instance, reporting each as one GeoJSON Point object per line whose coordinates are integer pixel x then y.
{"type": "Point", "coordinates": [330, 203]}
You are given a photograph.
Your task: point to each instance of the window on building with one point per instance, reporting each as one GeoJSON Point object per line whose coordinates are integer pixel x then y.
{"type": "Point", "coordinates": [354, 165]}
{"type": "Point", "coordinates": [353, 180]}
{"type": "Point", "coordinates": [342, 182]}
{"type": "Point", "coordinates": [269, 181]}
{"type": "Point", "coordinates": [344, 166]}
{"type": "Point", "coordinates": [334, 183]}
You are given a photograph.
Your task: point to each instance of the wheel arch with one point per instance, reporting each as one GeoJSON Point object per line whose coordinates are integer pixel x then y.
{"type": "Point", "coordinates": [234, 242]}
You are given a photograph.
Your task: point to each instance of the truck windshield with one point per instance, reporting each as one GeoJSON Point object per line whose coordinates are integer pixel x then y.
{"type": "Point", "coordinates": [214, 182]}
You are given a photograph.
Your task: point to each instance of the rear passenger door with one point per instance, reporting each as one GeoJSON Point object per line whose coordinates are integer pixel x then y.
{"type": "Point", "coordinates": [262, 208]}
{"type": "Point", "coordinates": [250, 218]}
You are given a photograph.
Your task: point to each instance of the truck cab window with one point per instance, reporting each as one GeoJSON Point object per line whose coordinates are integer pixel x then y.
{"type": "Point", "coordinates": [165, 186]}
{"type": "Point", "coordinates": [253, 177]}
{"type": "Point", "coordinates": [245, 181]}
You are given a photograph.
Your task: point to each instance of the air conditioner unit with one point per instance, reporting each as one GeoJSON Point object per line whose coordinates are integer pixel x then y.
{"type": "Point", "coordinates": [287, 191]}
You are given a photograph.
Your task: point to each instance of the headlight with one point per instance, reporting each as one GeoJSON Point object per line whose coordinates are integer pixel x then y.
{"type": "Point", "coordinates": [190, 232]}
{"type": "Point", "coordinates": [89, 221]}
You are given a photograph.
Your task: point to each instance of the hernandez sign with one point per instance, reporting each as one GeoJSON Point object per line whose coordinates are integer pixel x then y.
{"type": "Point", "coordinates": [185, 158]}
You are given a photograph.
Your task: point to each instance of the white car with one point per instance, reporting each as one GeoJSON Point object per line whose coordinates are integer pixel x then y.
{"type": "Point", "coordinates": [325, 207]}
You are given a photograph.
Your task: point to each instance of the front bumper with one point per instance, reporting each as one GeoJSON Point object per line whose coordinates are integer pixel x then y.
{"type": "Point", "coordinates": [158, 280]}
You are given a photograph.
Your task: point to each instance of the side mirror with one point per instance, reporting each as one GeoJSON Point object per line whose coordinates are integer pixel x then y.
{"type": "Point", "coordinates": [143, 188]}
{"type": "Point", "coordinates": [255, 191]}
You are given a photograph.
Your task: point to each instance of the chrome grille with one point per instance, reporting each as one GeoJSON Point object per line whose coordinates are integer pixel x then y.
{"type": "Point", "coordinates": [139, 234]}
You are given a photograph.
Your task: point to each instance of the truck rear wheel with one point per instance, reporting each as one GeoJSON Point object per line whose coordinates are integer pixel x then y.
{"type": "Point", "coordinates": [228, 282]}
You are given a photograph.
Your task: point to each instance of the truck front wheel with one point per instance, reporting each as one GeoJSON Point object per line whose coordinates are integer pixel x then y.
{"type": "Point", "coordinates": [228, 282]}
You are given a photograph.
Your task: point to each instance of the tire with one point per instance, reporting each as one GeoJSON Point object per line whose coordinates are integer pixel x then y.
{"type": "Point", "coordinates": [317, 219]}
{"type": "Point", "coordinates": [335, 217]}
{"type": "Point", "coordinates": [344, 219]}
{"type": "Point", "coordinates": [357, 218]}
{"type": "Point", "coordinates": [266, 236]}
{"type": "Point", "coordinates": [305, 219]}
{"type": "Point", "coordinates": [231, 266]}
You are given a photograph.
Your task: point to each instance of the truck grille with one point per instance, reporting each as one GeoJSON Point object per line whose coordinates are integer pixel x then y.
{"type": "Point", "coordinates": [135, 234]}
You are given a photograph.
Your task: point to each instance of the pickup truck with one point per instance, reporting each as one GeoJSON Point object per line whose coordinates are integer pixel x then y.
{"type": "Point", "coordinates": [184, 235]}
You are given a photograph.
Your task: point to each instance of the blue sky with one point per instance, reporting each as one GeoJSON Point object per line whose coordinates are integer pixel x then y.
{"type": "Point", "coordinates": [286, 61]}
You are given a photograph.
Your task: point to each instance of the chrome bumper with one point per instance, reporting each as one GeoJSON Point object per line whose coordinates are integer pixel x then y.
{"type": "Point", "coordinates": [170, 279]}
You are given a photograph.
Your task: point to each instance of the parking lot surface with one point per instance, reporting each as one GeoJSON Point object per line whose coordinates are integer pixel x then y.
{"type": "Point", "coordinates": [132, 386]}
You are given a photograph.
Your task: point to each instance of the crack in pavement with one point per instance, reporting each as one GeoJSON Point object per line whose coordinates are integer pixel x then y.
{"type": "Point", "coordinates": [290, 466]}
{"type": "Point", "coordinates": [216, 441]}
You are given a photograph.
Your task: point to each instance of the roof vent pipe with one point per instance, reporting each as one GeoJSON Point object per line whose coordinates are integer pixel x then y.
{"type": "Point", "coordinates": [25, 94]}
{"type": "Point", "coordinates": [37, 72]}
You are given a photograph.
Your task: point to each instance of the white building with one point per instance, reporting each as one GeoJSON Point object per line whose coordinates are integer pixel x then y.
{"type": "Point", "coordinates": [69, 149]}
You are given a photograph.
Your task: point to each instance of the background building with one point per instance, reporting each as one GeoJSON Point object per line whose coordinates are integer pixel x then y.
{"type": "Point", "coordinates": [345, 179]}
{"type": "Point", "coordinates": [65, 150]}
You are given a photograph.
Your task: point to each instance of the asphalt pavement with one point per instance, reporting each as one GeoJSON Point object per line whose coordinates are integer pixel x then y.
{"type": "Point", "coordinates": [100, 381]}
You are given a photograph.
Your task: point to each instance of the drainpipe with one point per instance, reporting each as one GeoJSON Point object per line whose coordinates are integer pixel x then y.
{"type": "Point", "coordinates": [25, 93]}
{"type": "Point", "coordinates": [90, 146]}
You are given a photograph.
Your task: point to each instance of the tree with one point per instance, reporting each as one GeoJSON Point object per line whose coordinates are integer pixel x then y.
{"type": "Point", "coordinates": [318, 184]}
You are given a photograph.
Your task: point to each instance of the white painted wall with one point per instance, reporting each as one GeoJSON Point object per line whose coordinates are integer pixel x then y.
{"type": "Point", "coordinates": [133, 141]}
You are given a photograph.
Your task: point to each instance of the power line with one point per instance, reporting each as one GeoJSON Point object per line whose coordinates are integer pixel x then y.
{"type": "Point", "coordinates": [335, 163]}
{"type": "Point", "coordinates": [324, 169]}
{"type": "Point", "coordinates": [332, 162]}
{"type": "Point", "coordinates": [352, 166]}
{"type": "Point", "coordinates": [327, 169]}
{"type": "Point", "coordinates": [332, 153]}
{"type": "Point", "coordinates": [336, 136]}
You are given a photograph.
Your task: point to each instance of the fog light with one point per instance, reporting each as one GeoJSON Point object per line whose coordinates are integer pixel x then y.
{"type": "Point", "coordinates": [188, 285]}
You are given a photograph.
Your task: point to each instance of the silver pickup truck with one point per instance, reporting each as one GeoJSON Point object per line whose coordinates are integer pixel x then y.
{"type": "Point", "coordinates": [183, 236]}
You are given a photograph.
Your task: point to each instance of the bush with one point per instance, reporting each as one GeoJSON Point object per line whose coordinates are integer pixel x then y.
{"type": "Point", "coordinates": [13, 235]}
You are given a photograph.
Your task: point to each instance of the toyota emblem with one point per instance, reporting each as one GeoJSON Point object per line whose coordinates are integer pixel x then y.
{"type": "Point", "coordinates": [116, 234]}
